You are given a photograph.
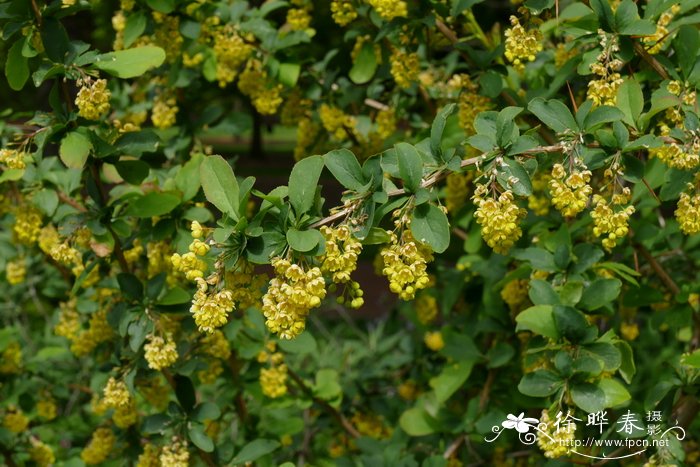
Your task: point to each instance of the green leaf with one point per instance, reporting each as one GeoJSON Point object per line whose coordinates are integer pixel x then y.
{"type": "Point", "coordinates": [135, 26]}
{"type": "Point", "coordinates": [410, 166]}
{"type": "Point", "coordinates": [600, 115]}
{"type": "Point", "coordinates": [288, 74]}
{"type": "Point", "coordinates": [133, 172]}
{"type": "Point", "coordinates": [615, 393]}
{"type": "Point", "coordinates": [429, 225]}
{"type": "Point", "coordinates": [630, 100]}
{"type": "Point", "coordinates": [187, 179]}
{"type": "Point", "coordinates": [255, 450]}
{"type": "Point", "coordinates": [542, 293]}
{"type": "Point", "coordinates": [417, 422]}
{"type": "Point", "coordinates": [538, 319]}
{"type": "Point", "coordinates": [627, 21]}
{"type": "Point", "coordinates": [450, 379]}
{"type": "Point", "coordinates": [184, 391]}
{"type": "Point", "coordinates": [365, 65]}
{"type": "Point", "coordinates": [303, 240]}
{"type": "Point", "coordinates": [604, 12]}
{"type": "Point", "coordinates": [135, 143]}
{"type": "Point", "coordinates": [153, 204]}
{"type": "Point", "coordinates": [675, 182]}
{"type": "Point", "coordinates": [131, 63]}
{"type": "Point", "coordinates": [627, 366]}
{"type": "Point", "coordinates": [687, 47]}
{"type": "Point", "coordinates": [46, 200]}
{"type": "Point", "coordinates": [437, 129]}
{"type": "Point", "coordinates": [540, 383]}
{"type": "Point", "coordinates": [199, 438]}
{"type": "Point", "coordinates": [130, 285]}
{"type": "Point", "coordinates": [599, 293]}
{"type": "Point", "coordinates": [220, 185]}
{"type": "Point", "coordinates": [163, 6]}
{"type": "Point", "coordinates": [588, 397]}
{"type": "Point", "coordinates": [74, 150]}
{"type": "Point", "coordinates": [513, 176]}
{"type": "Point", "coordinates": [573, 325]}
{"type": "Point", "coordinates": [303, 344]}
{"type": "Point", "coordinates": [554, 114]}
{"type": "Point", "coordinates": [344, 166]}
{"type": "Point", "coordinates": [16, 66]}
{"type": "Point", "coordinates": [175, 296]}
{"type": "Point", "coordinates": [55, 39]}
{"type": "Point", "coordinates": [154, 423]}
{"type": "Point", "coordinates": [327, 386]}
{"type": "Point", "coordinates": [303, 182]}
{"type": "Point", "coordinates": [539, 258]}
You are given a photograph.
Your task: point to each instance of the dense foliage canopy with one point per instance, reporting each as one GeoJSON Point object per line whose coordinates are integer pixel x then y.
{"type": "Point", "coordinates": [523, 178]}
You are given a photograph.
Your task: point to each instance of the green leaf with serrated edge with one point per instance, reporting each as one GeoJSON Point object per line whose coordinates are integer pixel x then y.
{"type": "Point", "coordinates": [131, 63]}
{"type": "Point", "coordinates": [430, 226]}
{"type": "Point", "coordinates": [344, 166]}
{"type": "Point", "coordinates": [538, 319]}
{"type": "Point", "coordinates": [220, 185]}
{"type": "Point", "coordinates": [410, 166]}
{"type": "Point", "coordinates": [303, 182]}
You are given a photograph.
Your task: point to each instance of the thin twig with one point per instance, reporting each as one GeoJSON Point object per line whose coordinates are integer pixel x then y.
{"type": "Point", "coordinates": [654, 63]}
{"type": "Point", "coordinates": [452, 448]}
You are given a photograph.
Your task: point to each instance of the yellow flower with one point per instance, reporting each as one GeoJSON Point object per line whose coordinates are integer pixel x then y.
{"type": "Point", "coordinates": [661, 35]}
{"type": "Point", "coordinates": [11, 361]}
{"type": "Point", "coordinates": [342, 251]}
{"type": "Point", "coordinates": [175, 455]}
{"type": "Point", "coordinates": [27, 224]}
{"type": "Point", "coordinates": [515, 294]}
{"type": "Point", "coordinates": [210, 310]}
{"type": "Point", "coordinates": [611, 219]}
{"type": "Point", "coordinates": [426, 308]}
{"type": "Point", "coordinates": [561, 436]}
{"type": "Point", "coordinates": [149, 457]}
{"type": "Point", "coordinates": [124, 417]}
{"type": "Point", "coordinates": [99, 447]}
{"type": "Point", "coordinates": [160, 353]}
{"type": "Point", "coordinates": [46, 408]}
{"type": "Point", "coordinates": [14, 420]}
{"type": "Point", "coordinates": [16, 271]}
{"type": "Point", "coordinates": [408, 390]}
{"type": "Point", "coordinates": [434, 341]}
{"type": "Point", "coordinates": [570, 194]}
{"type": "Point", "coordinates": [255, 83]}
{"type": "Point", "coordinates": [405, 68]}
{"type": "Point", "coordinates": [688, 213]}
{"type": "Point", "coordinates": [93, 98]}
{"type": "Point", "coordinates": [116, 393]}
{"type": "Point", "coordinates": [231, 52]}
{"type": "Point", "coordinates": [499, 219]}
{"type": "Point", "coordinates": [406, 264]}
{"type": "Point", "coordinates": [298, 19]}
{"type": "Point", "coordinates": [216, 345]}
{"type": "Point", "coordinates": [336, 122]}
{"type": "Point", "coordinates": [389, 9]}
{"type": "Point", "coordinates": [371, 425]}
{"type": "Point", "coordinates": [164, 113]}
{"type": "Point", "coordinates": [343, 12]}
{"type": "Point", "coordinates": [12, 158]}
{"type": "Point", "coordinates": [41, 453]}
{"type": "Point", "coordinates": [521, 45]}
{"type": "Point", "coordinates": [273, 381]}
{"type": "Point", "coordinates": [629, 331]}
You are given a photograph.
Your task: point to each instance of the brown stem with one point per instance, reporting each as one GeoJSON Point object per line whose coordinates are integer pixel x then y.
{"type": "Point", "coordinates": [659, 270]}
{"type": "Point", "coordinates": [654, 63]}
{"type": "Point", "coordinates": [37, 13]}
{"type": "Point", "coordinates": [71, 202]}
{"type": "Point", "coordinates": [486, 390]}
{"type": "Point", "coordinates": [452, 448]}
{"type": "Point", "coordinates": [342, 421]}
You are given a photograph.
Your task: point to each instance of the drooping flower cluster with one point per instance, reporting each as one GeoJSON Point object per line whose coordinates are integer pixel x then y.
{"type": "Point", "coordinates": [189, 263]}
{"type": "Point", "coordinates": [426, 308]}
{"type": "Point", "coordinates": [406, 264]}
{"type": "Point", "coordinates": [499, 218]}
{"type": "Point", "coordinates": [570, 193]}
{"type": "Point", "coordinates": [255, 83]}
{"type": "Point", "coordinates": [611, 219]}
{"type": "Point", "coordinates": [336, 122]}
{"type": "Point", "coordinates": [603, 90]}
{"type": "Point", "coordinates": [343, 12]}
{"type": "Point", "coordinates": [538, 202]}
{"type": "Point", "coordinates": [679, 156]}
{"type": "Point", "coordinates": [470, 103]}
{"type": "Point", "coordinates": [11, 359]}
{"type": "Point", "coordinates": [340, 260]}
{"type": "Point", "coordinates": [14, 419]}
{"type": "Point", "coordinates": [291, 294]}
{"type": "Point", "coordinates": [116, 394]}
{"type": "Point", "coordinates": [165, 110]}
{"type": "Point", "coordinates": [149, 457]}
{"type": "Point", "coordinates": [688, 213]}
{"type": "Point", "coordinates": [93, 98]}
{"type": "Point", "coordinates": [386, 123]}
{"type": "Point", "coordinates": [405, 67]}
{"type": "Point", "coordinates": [16, 271]}
{"type": "Point", "coordinates": [41, 453]}
{"type": "Point", "coordinates": [246, 287]}
{"type": "Point", "coordinates": [389, 9]}
{"type": "Point", "coordinates": [210, 309]}
{"type": "Point", "coordinates": [657, 40]}
{"type": "Point", "coordinates": [175, 455]}
{"type": "Point", "coordinates": [160, 353]}
{"type": "Point", "coordinates": [273, 380]}
{"type": "Point", "coordinates": [556, 440]}
{"type": "Point", "coordinates": [522, 45]}
{"type": "Point", "coordinates": [307, 134]}
{"type": "Point", "coordinates": [515, 294]}
{"type": "Point", "coordinates": [231, 52]}
{"type": "Point", "coordinates": [298, 19]}
{"type": "Point", "coordinates": [46, 407]}
{"type": "Point", "coordinates": [27, 224]}
{"type": "Point", "coordinates": [99, 447]}
{"type": "Point", "coordinates": [12, 158]}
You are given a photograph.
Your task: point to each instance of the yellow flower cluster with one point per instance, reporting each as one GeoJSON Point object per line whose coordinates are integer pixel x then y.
{"type": "Point", "coordinates": [231, 52]}
{"type": "Point", "coordinates": [629, 331]}
{"type": "Point", "coordinates": [389, 9]}
{"type": "Point", "coordinates": [132, 255]}
{"type": "Point", "coordinates": [499, 219]}
{"type": "Point", "coordinates": [158, 255]}
{"type": "Point", "coordinates": [470, 102]}
{"type": "Point", "coordinates": [406, 264]}
{"type": "Point", "coordinates": [255, 83]}
{"type": "Point", "coordinates": [603, 90]}
{"type": "Point", "coordinates": [371, 425]}
{"type": "Point", "coordinates": [11, 361]}
{"type": "Point", "coordinates": [99, 447]}
{"type": "Point", "coordinates": [149, 457]}
{"type": "Point", "coordinates": [426, 308]}
{"type": "Point", "coordinates": [27, 224]}
{"type": "Point", "coordinates": [15, 420]}
{"type": "Point", "coordinates": [570, 194]}
{"type": "Point", "coordinates": [189, 263]}
{"type": "Point", "coordinates": [124, 417]}
{"type": "Point", "coordinates": [522, 45]}
{"type": "Point", "coordinates": [216, 345]}
{"type": "Point", "coordinates": [688, 213]}
{"type": "Point", "coordinates": [307, 133]}
{"type": "Point", "coordinates": [343, 12]}
{"type": "Point", "coordinates": [116, 393]}
{"type": "Point", "coordinates": [386, 123]}
{"type": "Point", "coordinates": [16, 271]}
{"type": "Point", "coordinates": [210, 310]}
{"type": "Point", "coordinates": [611, 219]}
{"type": "Point", "coordinates": [298, 19]}
{"type": "Point", "coordinates": [295, 108]}
{"type": "Point", "coordinates": [160, 353]}
{"type": "Point", "coordinates": [336, 122]}
{"type": "Point", "coordinates": [515, 294]}
{"type": "Point", "coordinates": [342, 251]}
{"type": "Point", "coordinates": [457, 190]}
{"type": "Point", "coordinates": [405, 67]}
{"type": "Point", "coordinates": [46, 408]}
{"type": "Point", "coordinates": [683, 157]}
{"type": "Point", "coordinates": [657, 40]}
{"type": "Point", "coordinates": [175, 455]}
{"type": "Point", "coordinates": [167, 35]}
{"type": "Point", "coordinates": [563, 53]}
{"type": "Point", "coordinates": [434, 341]}
{"type": "Point", "coordinates": [12, 158]}
{"type": "Point", "coordinates": [164, 113]}
{"type": "Point", "coordinates": [408, 390]}
{"type": "Point", "coordinates": [93, 98]}
{"type": "Point", "coordinates": [246, 287]}
{"type": "Point", "coordinates": [273, 381]}
{"type": "Point", "coordinates": [41, 453]}
{"type": "Point", "coordinates": [561, 436]}
{"type": "Point", "coordinates": [98, 331]}
{"type": "Point", "coordinates": [291, 294]}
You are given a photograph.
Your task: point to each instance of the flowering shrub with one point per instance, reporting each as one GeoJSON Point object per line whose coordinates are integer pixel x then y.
{"type": "Point", "coordinates": [525, 182]}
